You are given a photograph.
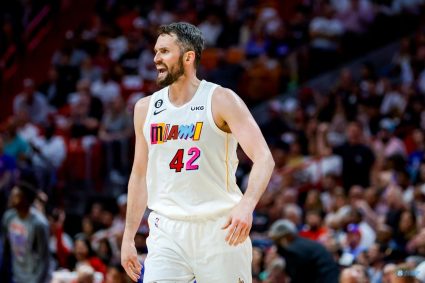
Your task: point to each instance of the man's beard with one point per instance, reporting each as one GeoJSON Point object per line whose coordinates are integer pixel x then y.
{"type": "Point", "coordinates": [172, 74]}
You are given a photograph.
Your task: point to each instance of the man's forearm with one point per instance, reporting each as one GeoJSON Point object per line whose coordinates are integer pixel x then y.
{"type": "Point", "coordinates": [136, 205]}
{"type": "Point", "coordinates": [259, 177]}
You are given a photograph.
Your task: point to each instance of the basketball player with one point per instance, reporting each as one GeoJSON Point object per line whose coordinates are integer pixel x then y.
{"type": "Point", "coordinates": [184, 171]}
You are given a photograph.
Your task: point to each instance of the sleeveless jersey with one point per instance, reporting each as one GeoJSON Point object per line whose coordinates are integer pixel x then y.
{"type": "Point", "coordinates": [191, 162]}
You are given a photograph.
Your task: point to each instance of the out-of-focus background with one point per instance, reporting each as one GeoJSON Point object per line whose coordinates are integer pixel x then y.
{"type": "Point", "coordinates": [337, 86]}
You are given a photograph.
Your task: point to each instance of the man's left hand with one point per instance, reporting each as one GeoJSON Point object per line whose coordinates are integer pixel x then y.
{"type": "Point", "coordinates": [238, 224]}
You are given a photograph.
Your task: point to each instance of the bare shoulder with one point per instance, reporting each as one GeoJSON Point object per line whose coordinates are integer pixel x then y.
{"type": "Point", "coordinates": [225, 98]}
{"type": "Point", "coordinates": [140, 111]}
{"type": "Point", "coordinates": [227, 108]}
{"type": "Point", "coordinates": [142, 104]}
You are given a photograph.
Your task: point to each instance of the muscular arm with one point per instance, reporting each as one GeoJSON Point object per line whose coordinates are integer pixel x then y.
{"type": "Point", "coordinates": [231, 115]}
{"type": "Point", "coordinates": [137, 193]}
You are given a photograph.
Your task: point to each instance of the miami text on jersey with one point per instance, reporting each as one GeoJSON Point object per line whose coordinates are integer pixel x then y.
{"type": "Point", "coordinates": [161, 132]}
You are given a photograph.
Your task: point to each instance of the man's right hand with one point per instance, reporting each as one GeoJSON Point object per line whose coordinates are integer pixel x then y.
{"type": "Point", "coordinates": [129, 260]}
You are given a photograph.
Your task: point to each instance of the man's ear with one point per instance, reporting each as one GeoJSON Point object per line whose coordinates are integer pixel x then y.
{"type": "Point", "coordinates": [190, 56]}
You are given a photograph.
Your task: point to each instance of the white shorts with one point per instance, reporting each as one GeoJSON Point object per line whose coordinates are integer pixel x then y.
{"type": "Point", "coordinates": [185, 251]}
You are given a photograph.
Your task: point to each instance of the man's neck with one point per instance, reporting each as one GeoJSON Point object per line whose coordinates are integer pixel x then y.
{"type": "Point", "coordinates": [182, 91]}
{"type": "Point", "coordinates": [23, 213]}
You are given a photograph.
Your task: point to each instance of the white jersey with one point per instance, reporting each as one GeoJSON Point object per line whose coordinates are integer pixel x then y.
{"type": "Point", "coordinates": [191, 162]}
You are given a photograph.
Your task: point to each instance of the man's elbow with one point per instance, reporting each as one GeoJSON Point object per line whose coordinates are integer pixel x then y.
{"type": "Point", "coordinates": [271, 162]}
{"type": "Point", "coordinates": [268, 161]}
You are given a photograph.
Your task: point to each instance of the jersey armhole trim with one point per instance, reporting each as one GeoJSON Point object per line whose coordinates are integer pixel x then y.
{"type": "Point", "coordinates": [147, 119]}
{"type": "Point", "coordinates": [210, 115]}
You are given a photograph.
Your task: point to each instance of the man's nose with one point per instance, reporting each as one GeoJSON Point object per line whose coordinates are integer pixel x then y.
{"type": "Point", "coordinates": [157, 58]}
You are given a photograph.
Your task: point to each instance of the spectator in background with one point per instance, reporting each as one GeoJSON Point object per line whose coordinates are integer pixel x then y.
{"type": "Point", "coordinates": [60, 244]}
{"type": "Point", "coordinates": [84, 255]}
{"type": "Point", "coordinates": [32, 101]}
{"type": "Point", "coordinates": [303, 255]}
{"type": "Point", "coordinates": [313, 228]}
{"type": "Point", "coordinates": [352, 248]}
{"type": "Point", "coordinates": [86, 111]}
{"type": "Point", "coordinates": [105, 88]}
{"type": "Point", "coordinates": [211, 27]}
{"type": "Point", "coordinates": [49, 153]}
{"type": "Point", "coordinates": [387, 144]}
{"type": "Point", "coordinates": [54, 89]}
{"type": "Point", "coordinates": [7, 168]}
{"type": "Point", "coordinates": [27, 234]}
{"type": "Point", "coordinates": [129, 61]}
{"type": "Point", "coordinates": [115, 132]}
{"type": "Point", "coordinates": [7, 176]}
{"type": "Point", "coordinates": [115, 274]}
{"type": "Point", "coordinates": [90, 71]}
{"type": "Point", "coordinates": [158, 15]}
{"type": "Point", "coordinates": [325, 39]}
{"type": "Point", "coordinates": [147, 68]}
{"type": "Point", "coordinates": [356, 156]}
{"type": "Point", "coordinates": [354, 274]}
{"type": "Point", "coordinates": [14, 145]}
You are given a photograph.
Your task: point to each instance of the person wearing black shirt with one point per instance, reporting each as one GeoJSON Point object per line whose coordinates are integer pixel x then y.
{"type": "Point", "coordinates": [306, 260]}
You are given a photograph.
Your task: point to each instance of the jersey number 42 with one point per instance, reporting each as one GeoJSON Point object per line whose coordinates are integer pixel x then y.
{"type": "Point", "coordinates": [177, 161]}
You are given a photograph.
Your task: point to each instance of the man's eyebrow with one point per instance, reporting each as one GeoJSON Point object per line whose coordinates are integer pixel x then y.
{"type": "Point", "coordinates": [160, 49]}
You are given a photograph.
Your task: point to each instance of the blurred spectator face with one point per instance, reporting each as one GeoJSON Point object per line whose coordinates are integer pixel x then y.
{"type": "Point", "coordinates": [313, 220]}
{"type": "Point", "coordinates": [87, 226]}
{"type": "Point", "coordinates": [353, 235]}
{"type": "Point", "coordinates": [104, 250]}
{"type": "Point", "coordinates": [114, 275]}
{"type": "Point", "coordinates": [387, 272]}
{"type": "Point", "coordinates": [29, 88]}
{"type": "Point", "coordinates": [11, 128]}
{"type": "Point", "coordinates": [96, 211]}
{"type": "Point", "coordinates": [374, 254]}
{"type": "Point", "coordinates": [332, 245]}
{"type": "Point", "coordinates": [340, 198]}
{"type": "Point", "coordinates": [383, 234]}
{"type": "Point", "coordinates": [395, 198]}
{"type": "Point", "coordinates": [371, 196]}
{"type": "Point", "coordinates": [81, 250]}
{"type": "Point", "coordinates": [356, 193]}
{"type": "Point", "coordinates": [328, 11]}
{"type": "Point", "coordinates": [118, 104]}
{"type": "Point", "coordinates": [418, 138]}
{"type": "Point", "coordinates": [85, 274]}
{"type": "Point", "coordinates": [169, 64]}
{"type": "Point", "coordinates": [313, 200]}
{"type": "Point", "coordinates": [289, 196]}
{"type": "Point", "coordinates": [16, 198]}
{"type": "Point", "coordinates": [83, 87]}
{"type": "Point", "coordinates": [354, 274]}
{"type": "Point", "coordinates": [328, 182]}
{"type": "Point", "coordinates": [22, 117]}
{"type": "Point", "coordinates": [346, 78]}
{"type": "Point", "coordinates": [87, 63]}
{"type": "Point", "coordinates": [107, 218]}
{"type": "Point", "coordinates": [291, 213]}
{"type": "Point", "coordinates": [406, 222]}
{"type": "Point", "coordinates": [52, 74]}
{"type": "Point", "coordinates": [354, 133]}
{"type": "Point", "coordinates": [80, 107]}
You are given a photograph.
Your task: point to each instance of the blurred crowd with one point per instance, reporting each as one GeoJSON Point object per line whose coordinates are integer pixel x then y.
{"type": "Point", "coordinates": [346, 200]}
